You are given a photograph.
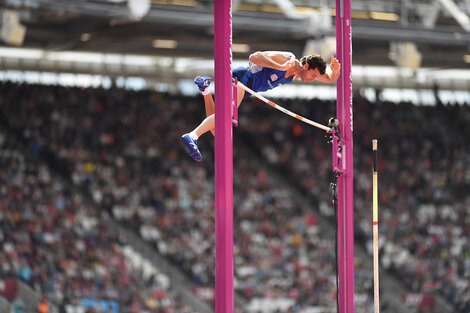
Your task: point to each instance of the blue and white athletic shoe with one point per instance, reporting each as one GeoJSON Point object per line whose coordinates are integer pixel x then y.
{"type": "Point", "coordinates": [192, 147]}
{"type": "Point", "coordinates": [202, 82]}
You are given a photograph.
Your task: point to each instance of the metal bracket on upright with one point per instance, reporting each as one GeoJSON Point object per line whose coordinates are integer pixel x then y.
{"type": "Point", "coordinates": [337, 144]}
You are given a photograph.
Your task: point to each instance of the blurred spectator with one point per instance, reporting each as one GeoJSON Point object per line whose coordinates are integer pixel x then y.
{"type": "Point", "coordinates": [18, 305]}
{"type": "Point", "coordinates": [43, 307]}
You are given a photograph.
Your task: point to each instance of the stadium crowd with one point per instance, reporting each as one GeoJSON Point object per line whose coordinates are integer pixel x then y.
{"type": "Point", "coordinates": [424, 179]}
{"type": "Point", "coordinates": [122, 147]}
{"type": "Point", "coordinates": [51, 239]}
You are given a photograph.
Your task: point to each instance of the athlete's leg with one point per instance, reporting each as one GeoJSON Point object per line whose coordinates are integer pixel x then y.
{"type": "Point", "coordinates": [209, 123]}
{"type": "Point", "coordinates": [209, 104]}
{"type": "Point", "coordinates": [203, 83]}
{"type": "Point", "coordinates": [190, 140]}
{"type": "Point", "coordinates": [240, 95]}
{"type": "Point", "coordinates": [210, 109]}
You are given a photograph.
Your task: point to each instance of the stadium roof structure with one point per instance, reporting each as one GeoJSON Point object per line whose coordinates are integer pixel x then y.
{"type": "Point", "coordinates": [409, 33]}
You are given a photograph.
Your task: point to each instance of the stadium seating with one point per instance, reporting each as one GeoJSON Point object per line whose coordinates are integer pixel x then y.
{"type": "Point", "coordinates": [122, 148]}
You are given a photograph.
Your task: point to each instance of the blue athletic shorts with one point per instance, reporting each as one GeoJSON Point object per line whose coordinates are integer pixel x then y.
{"type": "Point", "coordinates": [245, 77]}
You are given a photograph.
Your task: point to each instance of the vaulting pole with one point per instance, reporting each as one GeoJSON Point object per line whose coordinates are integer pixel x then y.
{"type": "Point", "coordinates": [223, 157]}
{"type": "Point", "coordinates": [283, 110]}
{"type": "Point", "coordinates": [345, 181]}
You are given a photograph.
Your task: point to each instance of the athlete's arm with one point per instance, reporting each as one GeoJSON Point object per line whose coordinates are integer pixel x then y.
{"type": "Point", "coordinates": [275, 60]}
{"type": "Point", "coordinates": [332, 74]}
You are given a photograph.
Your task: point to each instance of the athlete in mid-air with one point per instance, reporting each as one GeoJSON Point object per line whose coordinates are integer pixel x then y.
{"type": "Point", "coordinates": [265, 71]}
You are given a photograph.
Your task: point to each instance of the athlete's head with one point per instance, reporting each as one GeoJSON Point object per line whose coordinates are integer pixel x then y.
{"type": "Point", "coordinates": [314, 61]}
{"type": "Point", "coordinates": [314, 66]}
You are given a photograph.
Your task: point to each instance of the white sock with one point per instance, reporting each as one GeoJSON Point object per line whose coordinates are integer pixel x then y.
{"type": "Point", "coordinates": [193, 136]}
{"type": "Point", "coordinates": [206, 91]}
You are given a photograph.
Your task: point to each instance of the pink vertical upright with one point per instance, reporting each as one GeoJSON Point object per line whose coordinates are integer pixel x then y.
{"type": "Point", "coordinates": [345, 181]}
{"type": "Point", "coordinates": [223, 157]}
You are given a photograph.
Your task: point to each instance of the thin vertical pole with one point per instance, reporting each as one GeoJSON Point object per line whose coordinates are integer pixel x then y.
{"type": "Point", "coordinates": [223, 157]}
{"type": "Point", "coordinates": [375, 226]}
{"type": "Point", "coordinates": [345, 181]}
